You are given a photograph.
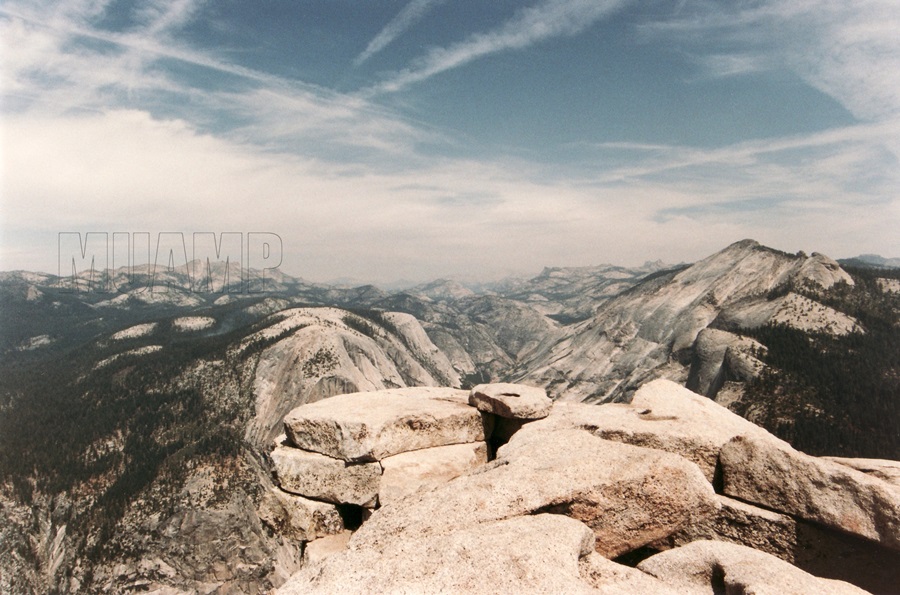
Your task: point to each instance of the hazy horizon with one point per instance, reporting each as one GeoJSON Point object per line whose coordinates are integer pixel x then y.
{"type": "Point", "coordinates": [464, 278]}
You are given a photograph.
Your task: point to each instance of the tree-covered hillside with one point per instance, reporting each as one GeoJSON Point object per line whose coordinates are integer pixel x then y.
{"type": "Point", "coordinates": [835, 395]}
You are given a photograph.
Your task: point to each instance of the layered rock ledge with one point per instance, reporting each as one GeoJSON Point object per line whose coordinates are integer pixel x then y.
{"type": "Point", "coordinates": [671, 493]}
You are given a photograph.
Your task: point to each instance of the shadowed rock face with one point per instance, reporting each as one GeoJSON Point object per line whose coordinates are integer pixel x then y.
{"type": "Point", "coordinates": [324, 478]}
{"type": "Point", "coordinates": [816, 549]}
{"type": "Point", "coordinates": [718, 567]}
{"type": "Point", "coordinates": [777, 476]}
{"type": "Point", "coordinates": [299, 518]}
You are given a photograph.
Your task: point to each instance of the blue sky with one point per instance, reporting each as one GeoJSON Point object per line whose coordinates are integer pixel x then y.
{"type": "Point", "coordinates": [415, 139]}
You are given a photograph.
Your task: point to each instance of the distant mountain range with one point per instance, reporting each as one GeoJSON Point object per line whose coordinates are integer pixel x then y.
{"type": "Point", "coordinates": [871, 260]}
{"type": "Point", "coordinates": [134, 423]}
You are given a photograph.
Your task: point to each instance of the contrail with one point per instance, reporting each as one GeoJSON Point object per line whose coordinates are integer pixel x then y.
{"type": "Point", "coordinates": [546, 20]}
{"type": "Point", "coordinates": [405, 19]}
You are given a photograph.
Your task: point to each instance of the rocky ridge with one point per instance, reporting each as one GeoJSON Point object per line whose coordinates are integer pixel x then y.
{"type": "Point", "coordinates": [667, 494]}
{"type": "Point", "coordinates": [320, 352]}
{"type": "Point", "coordinates": [651, 330]}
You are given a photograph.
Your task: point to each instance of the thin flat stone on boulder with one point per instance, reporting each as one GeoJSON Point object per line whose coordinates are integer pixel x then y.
{"type": "Point", "coordinates": [515, 401]}
{"type": "Point", "coordinates": [707, 567]}
{"type": "Point", "coordinates": [297, 517]}
{"type": "Point", "coordinates": [412, 471]}
{"type": "Point", "coordinates": [774, 475]}
{"type": "Point", "coordinates": [375, 425]}
{"type": "Point", "coordinates": [629, 496]}
{"type": "Point", "coordinates": [317, 476]}
{"type": "Point", "coordinates": [531, 554]}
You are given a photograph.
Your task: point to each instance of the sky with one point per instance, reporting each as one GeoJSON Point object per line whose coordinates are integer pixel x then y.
{"type": "Point", "coordinates": [416, 139]}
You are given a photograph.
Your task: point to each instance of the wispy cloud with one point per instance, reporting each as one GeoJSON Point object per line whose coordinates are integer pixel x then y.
{"type": "Point", "coordinates": [56, 61]}
{"type": "Point", "coordinates": [42, 51]}
{"type": "Point", "coordinates": [405, 19]}
{"type": "Point", "coordinates": [660, 159]}
{"type": "Point", "coordinates": [848, 50]}
{"type": "Point", "coordinates": [161, 17]}
{"type": "Point", "coordinates": [546, 20]}
{"type": "Point", "coordinates": [720, 65]}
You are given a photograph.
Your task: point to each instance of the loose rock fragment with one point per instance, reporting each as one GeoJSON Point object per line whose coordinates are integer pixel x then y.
{"type": "Point", "coordinates": [515, 401]}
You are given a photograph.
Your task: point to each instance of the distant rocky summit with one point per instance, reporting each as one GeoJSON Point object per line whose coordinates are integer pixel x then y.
{"type": "Point", "coordinates": [651, 330]}
{"type": "Point", "coordinates": [438, 490]}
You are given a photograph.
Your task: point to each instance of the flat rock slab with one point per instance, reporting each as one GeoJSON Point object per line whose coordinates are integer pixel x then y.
{"type": "Point", "coordinates": [662, 415]}
{"type": "Point", "coordinates": [514, 401]}
{"type": "Point", "coordinates": [373, 426]}
{"type": "Point", "coordinates": [320, 477]}
{"type": "Point", "coordinates": [669, 417]}
{"type": "Point", "coordinates": [629, 496]}
{"type": "Point", "coordinates": [532, 554]}
{"type": "Point", "coordinates": [299, 518]}
{"type": "Point", "coordinates": [456, 395]}
{"type": "Point", "coordinates": [707, 567]}
{"type": "Point", "coordinates": [776, 476]}
{"type": "Point", "coordinates": [409, 472]}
